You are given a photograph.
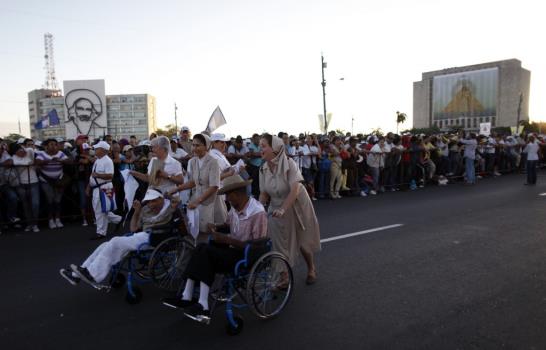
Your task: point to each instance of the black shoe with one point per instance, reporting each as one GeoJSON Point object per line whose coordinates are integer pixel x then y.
{"type": "Point", "coordinates": [83, 273]}
{"type": "Point", "coordinates": [67, 275]}
{"type": "Point", "coordinates": [196, 313]}
{"type": "Point", "coordinates": [177, 303]}
{"type": "Point", "coordinates": [97, 237]}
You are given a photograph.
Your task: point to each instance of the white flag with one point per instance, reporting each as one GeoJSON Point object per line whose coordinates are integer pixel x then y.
{"type": "Point", "coordinates": [216, 120]}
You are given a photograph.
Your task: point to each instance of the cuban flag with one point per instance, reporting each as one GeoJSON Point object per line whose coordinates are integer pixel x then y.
{"type": "Point", "coordinates": [51, 118]}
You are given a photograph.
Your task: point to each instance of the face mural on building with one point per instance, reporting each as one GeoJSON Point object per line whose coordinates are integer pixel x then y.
{"type": "Point", "coordinates": [83, 108]}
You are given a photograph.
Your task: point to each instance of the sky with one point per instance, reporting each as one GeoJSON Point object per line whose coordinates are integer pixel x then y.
{"type": "Point", "coordinates": [260, 60]}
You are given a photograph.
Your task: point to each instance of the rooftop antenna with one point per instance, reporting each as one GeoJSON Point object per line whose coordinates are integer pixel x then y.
{"type": "Point", "coordinates": [50, 80]}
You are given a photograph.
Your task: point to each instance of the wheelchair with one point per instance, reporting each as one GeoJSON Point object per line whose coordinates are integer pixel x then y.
{"type": "Point", "coordinates": [262, 281]}
{"type": "Point", "coordinates": [161, 261]}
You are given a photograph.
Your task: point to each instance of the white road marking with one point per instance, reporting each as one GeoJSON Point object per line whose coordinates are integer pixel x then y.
{"type": "Point", "coordinates": [359, 233]}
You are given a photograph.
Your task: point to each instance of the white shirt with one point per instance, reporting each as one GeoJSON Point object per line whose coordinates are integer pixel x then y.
{"type": "Point", "coordinates": [307, 158]}
{"type": "Point", "coordinates": [222, 160]}
{"type": "Point", "coordinates": [233, 150]}
{"type": "Point", "coordinates": [102, 165]}
{"type": "Point", "coordinates": [27, 174]}
{"type": "Point", "coordinates": [179, 154]}
{"type": "Point", "coordinates": [532, 151]}
{"type": "Point", "coordinates": [172, 167]}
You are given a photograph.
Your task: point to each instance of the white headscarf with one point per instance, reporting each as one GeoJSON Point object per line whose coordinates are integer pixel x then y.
{"type": "Point", "coordinates": [281, 160]}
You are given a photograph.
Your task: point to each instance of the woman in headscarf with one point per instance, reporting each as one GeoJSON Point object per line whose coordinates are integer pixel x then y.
{"type": "Point", "coordinates": [204, 179]}
{"type": "Point", "coordinates": [292, 225]}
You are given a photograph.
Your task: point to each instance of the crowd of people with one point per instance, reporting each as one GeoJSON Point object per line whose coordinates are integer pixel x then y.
{"type": "Point", "coordinates": [53, 177]}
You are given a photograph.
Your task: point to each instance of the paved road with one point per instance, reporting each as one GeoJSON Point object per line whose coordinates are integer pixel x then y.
{"type": "Point", "coordinates": [467, 270]}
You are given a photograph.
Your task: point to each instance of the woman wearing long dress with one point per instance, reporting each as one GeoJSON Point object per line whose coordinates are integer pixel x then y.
{"type": "Point", "coordinates": [204, 180]}
{"type": "Point", "coordinates": [292, 226]}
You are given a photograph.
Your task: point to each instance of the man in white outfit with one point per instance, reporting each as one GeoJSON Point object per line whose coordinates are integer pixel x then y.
{"type": "Point", "coordinates": [101, 189]}
{"type": "Point", "coordinates": [155, 211]}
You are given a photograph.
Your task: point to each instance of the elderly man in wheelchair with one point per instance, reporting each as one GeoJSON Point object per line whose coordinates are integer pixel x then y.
{"type": "Point", "coordinates": [243, 257]}
{"type": "Point", "coordinates": [154, 211]}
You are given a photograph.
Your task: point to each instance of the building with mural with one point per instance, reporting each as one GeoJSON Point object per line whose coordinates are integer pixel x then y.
{"type": "Point", "coordinates": [495, 92]}
{"type": "Point", "coordinates": [86, 109]}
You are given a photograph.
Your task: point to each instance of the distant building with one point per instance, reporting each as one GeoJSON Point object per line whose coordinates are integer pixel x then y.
{"type": "Point", "coordinates": [85, 109]}
{"type": "Point", "coordinates": [470, 95]}
{"type": "Point", "coordinates": [131, 115]}
{"type": "Point", "coordinates": [40, 102]}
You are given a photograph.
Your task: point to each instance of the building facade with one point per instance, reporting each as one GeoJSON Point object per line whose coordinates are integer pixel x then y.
{"type": "Point", "coordinates": [494, 92]}
{"type": "Point", "coordinates": [131, 115]}
{"type": "Point", "coordinates": [41, 102]}
{"type": "Point", "coordinates": [85, 109]}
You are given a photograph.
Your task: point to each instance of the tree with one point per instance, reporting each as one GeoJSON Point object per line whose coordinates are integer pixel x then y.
{"type": "Point", "coordinates": [13, 137]}
{"type": "Point", "coordinates": [400, 119]}
{"type": "Point", "coordinates": [169, 131]}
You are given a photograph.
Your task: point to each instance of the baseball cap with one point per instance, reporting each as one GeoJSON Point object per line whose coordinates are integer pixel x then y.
{"type": "Point", "coordinates": [152, 194]}
{"type": "Point", "coordinates": [127, 148]}
{"type": "Point", "coordinates": [102, 144]}
{"type": "Point", "coordinates": [185, 128]}
{"type": "Point", "coordinates": [218, 137]}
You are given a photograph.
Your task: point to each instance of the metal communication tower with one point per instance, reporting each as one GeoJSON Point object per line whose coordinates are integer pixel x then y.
{"type": "Point", "coordinates": [51, 80]}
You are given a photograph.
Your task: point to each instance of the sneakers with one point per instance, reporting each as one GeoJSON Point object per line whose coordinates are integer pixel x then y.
{"type": "Point", "coordinates": [35, 229]}
{"type": "Point", "coordinates": [177, 303]}
{"type": "Point", "coordinates": [59, 223]}
{"type": "Point", "coordinates": [373, 193]}
{"type": "Point", "coordinates": [83, 273]}
{"type": "Point", "coordinates": [68, 275]}
{"type": "Point", "coordinates": [313, 198]}
{"type": "Point", "coordinates": [84, 223]}
{"type": "Point", "coordinates": [52, 224]}
{"type": "Point", "coordinates": [363, 194]}
{"type": "Point", "coordinates": [28, 228]}
{"type": "Point", "coordinates": [14, 220]}
{"type": "Point", "coordinates": [196, 313]}
{"type": "Point", "coordinates": [496, 173]}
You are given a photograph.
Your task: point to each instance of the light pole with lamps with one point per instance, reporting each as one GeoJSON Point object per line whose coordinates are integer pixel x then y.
{"type": "Point", "coordinates": [324, 64]}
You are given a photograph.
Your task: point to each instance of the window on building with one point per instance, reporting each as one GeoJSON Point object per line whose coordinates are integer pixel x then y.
{"type": "Point", "coordinates": [125, 107]}
{"type": "Point", "coordinates": [475, 122]}
{"type": "Point", "coordinates": [493, 121]}
{"type": "Point", "coordinates": [487, 119]}
{"type": "Point", "coordinates": [139, 114]}
{"type": "Point", "coordinates": [123, 99]}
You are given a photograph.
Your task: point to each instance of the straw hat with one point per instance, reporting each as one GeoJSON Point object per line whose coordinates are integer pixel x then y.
{"type": "Point", "coordinates": [232, 183]}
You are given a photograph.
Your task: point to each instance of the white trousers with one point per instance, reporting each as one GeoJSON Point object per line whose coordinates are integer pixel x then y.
{"type": "Point", "coordinates": [101, 218]}
{"type": "Point", "coordinates": [110, 253]}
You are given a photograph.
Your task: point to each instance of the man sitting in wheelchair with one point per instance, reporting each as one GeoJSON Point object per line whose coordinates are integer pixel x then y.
{"type": "Point", "coordinates": [155, 211]}
{"type": "Point", "coordinates": [247, 221]}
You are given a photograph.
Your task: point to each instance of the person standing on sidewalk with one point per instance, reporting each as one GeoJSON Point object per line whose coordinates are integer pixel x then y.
{"type": "Point", "coordinates": [532, 149]}
{"type": "Point", "coordinates": [470, 145]}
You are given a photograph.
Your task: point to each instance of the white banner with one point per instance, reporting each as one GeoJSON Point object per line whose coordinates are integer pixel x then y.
{"type": "Point", "coordinates": [485, 129]}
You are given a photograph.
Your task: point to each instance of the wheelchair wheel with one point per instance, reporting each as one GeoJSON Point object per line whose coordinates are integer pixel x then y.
{"type": "Point", "coordinates": [141, 263]}
{"type": "Point", "coordinates": [118, 281]}
{"type": "Point", "coordinates": [134, 299]}
{"type": "Point", "coordinates": [168, 262]}
{"type": "Point", "coordinates": [234, 330]}
{"type": "Point", "coordinates": [269, 285]}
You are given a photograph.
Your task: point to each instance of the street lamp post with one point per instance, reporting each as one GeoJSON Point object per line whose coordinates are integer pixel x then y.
{"type": "Point", "coordinates": [175, 120]}
{"type": "Point", "coordinates": [519, 111]}
{"type": "Point", "coordinates": [324, 94]}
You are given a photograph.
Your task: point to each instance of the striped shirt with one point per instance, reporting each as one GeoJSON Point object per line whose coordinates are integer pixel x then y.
{"type": "Point", "coordinates": [53, 168]}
